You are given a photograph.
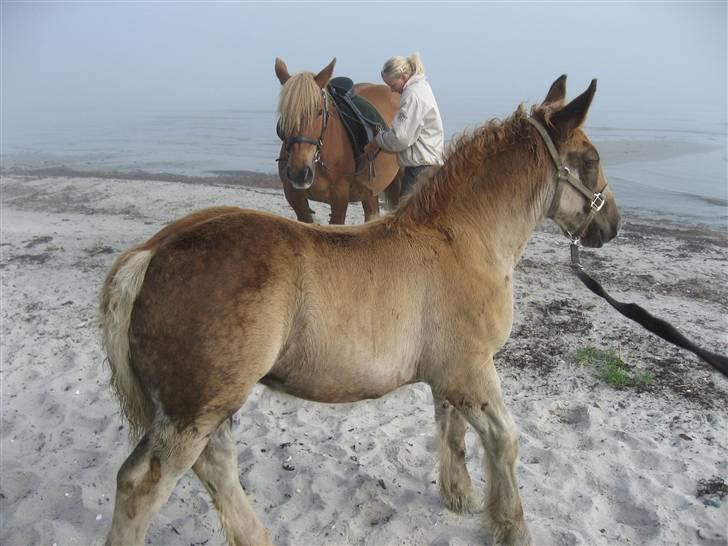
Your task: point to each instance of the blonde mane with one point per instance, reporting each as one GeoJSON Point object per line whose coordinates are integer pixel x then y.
{"type": "Point", "coordinates": [299, 102]}
{"type": "Point", "coordinates": [463, 165]}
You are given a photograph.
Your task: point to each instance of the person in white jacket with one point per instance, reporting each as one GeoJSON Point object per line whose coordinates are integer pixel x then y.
{"type": "Point", "coordinates": [416, 135]}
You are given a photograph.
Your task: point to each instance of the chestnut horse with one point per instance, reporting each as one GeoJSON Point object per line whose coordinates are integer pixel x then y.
{"type": "Point", "coordinates": [226, 298]}
{"type": "Point", "coordinates": [317, 160]}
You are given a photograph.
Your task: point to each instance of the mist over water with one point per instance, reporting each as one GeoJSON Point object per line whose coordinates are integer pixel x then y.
{"type": "Point", "coordinates": [190, 143]}
{"type": "Point", "coordinates": [189, 88]}
{"type": "Point", "coordinates": [679, 171]}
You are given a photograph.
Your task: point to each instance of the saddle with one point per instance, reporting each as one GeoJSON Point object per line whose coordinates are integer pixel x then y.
{"type": "Point", "coordinates": [360, 118]}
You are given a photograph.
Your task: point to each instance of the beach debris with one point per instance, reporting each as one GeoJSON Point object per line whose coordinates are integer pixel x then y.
{"type": "Point", "coordinates": [712, 491]}
{"type": "Point", "coordinates": [38, 241]}
{"type": "Point", "coordinates": [287, 466]}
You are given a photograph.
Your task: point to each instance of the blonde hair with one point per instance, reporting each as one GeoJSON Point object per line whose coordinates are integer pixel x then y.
{"type": "Point", "coordinates": [403, 66]}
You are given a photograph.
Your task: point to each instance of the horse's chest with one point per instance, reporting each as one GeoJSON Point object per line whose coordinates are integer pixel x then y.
{"type": "Point", "coordinates": [482, 312]}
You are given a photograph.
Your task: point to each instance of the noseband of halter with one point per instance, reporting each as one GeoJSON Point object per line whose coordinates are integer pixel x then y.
{"type": "Point", "coordinates": [563, 174]}
{"type": "Point", "coordinates": [290, 141]}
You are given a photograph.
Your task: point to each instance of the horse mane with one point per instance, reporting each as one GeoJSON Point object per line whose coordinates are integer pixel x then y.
{"type": "Point", "coordinates": [463, 166]}
{"type": "Point", "coordinates": [299, 102]}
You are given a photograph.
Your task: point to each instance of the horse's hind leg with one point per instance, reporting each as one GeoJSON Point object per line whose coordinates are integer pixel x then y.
{"type": "Point", "coordinates": [217, 468]}
{"type": "Point", "coordinates": [371, 207]}
{"type": "Point", "coordinates": [455, 484]}
{"type": "Point", "coordinates": [477, 394]}
{"type": "Point", "coordinates": [148, 476]}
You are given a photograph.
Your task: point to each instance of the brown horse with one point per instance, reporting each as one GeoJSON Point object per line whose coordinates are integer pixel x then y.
{"type": "Point", "coordinates": [226, 298]}
{"type": "Point", "coordinates": [317, 160]}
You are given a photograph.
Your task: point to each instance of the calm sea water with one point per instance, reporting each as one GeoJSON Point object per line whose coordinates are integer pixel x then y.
{"type": "Point", "coordinates": [675, 167]}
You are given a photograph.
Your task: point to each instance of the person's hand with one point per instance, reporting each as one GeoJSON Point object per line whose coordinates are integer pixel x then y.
{"type": "Point", "coordinates": [371, 149]}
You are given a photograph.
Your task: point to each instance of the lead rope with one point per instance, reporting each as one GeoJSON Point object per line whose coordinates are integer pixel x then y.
{"type": "Point", "coordinates": [634, 312]}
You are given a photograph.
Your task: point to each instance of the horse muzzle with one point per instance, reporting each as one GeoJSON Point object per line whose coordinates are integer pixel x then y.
{"type": "Point", "coordinates": [602, 230]}
{"type": "Point", "coordinates": [301, 179]}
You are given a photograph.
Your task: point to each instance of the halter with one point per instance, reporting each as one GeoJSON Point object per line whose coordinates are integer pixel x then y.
{"type": "Point", "coordinates": [563, 174]}
{"type": "Point", "coordinates": [290, 141]}
{"type": "Point", "coordinates": [630, 310]}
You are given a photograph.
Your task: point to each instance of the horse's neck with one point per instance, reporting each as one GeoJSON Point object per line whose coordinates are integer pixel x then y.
{"type": "Point", "coordinates": [501, 207]}
{"type": "Point", "coordinates": [335, 137]}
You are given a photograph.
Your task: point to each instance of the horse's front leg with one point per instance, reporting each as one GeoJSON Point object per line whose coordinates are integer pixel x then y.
{"type": "Point", "coordinates": [371, 207]}
{"type": "Point", "coordinates": [339, 201]}
{"type": "Point", "coordinates": [475, 391]}
{"type": "Point", "coordinates": [455, 485]}
{"type": "Point", "coordinates": [299, 203]}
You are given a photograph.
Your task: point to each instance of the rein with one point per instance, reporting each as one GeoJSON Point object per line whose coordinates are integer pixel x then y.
{"type": "Point", "coordinates": [632, 311]}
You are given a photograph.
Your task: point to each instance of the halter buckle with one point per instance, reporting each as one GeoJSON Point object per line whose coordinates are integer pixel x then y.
{"type": "Point", "coordinates": [597, 202]}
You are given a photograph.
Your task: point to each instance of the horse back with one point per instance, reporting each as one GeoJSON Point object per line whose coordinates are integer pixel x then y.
{"type": "Point", "coordinates": [381, 97]}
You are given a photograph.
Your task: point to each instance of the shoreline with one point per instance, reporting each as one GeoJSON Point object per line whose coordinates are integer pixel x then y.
{"type": "Point", "coordinates": [599, 464]}
{"type": "Point", "coordinates": [252, 179]}
{"type": "Point", "coordinates": [639, 210]}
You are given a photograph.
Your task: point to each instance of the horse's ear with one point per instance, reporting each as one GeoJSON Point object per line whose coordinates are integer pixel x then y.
{"type": "Point", "coordinates": [573, 114]}
{"type": "Point", "coordinates": [282, 71]}
{"type": "Point", "coordinates": [557, 92]}
{"type": "Point", "coordinates": [323, 77]}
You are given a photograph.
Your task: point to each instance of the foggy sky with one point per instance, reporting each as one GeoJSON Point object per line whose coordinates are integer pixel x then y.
{"type": "Point", "coordinates": [59, 59]}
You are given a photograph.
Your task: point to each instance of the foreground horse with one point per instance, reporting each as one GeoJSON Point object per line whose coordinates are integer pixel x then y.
{"type": "Point", "coordinates": [317, 160]}
{"type": "Point", "coordinates": [226, 298]}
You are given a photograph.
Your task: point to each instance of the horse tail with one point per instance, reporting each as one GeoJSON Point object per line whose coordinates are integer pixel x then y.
{"type": "Point", "coordinates": [121, 288]}
{"type": "Point", "coordinates": [391, 192]}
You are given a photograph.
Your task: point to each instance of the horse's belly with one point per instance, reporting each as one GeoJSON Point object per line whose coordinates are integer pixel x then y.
{"type": "Point", "coordinates": [336, 380]}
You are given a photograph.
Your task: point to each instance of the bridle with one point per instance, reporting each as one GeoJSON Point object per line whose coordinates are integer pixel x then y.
{"type": "Point", "coordinates": [563, 174]}
{"type": "Point", "coordinates": [290, 141]}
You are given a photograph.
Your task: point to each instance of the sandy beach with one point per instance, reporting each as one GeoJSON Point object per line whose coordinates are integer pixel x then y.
{"type": "Point", "coordinates": [599, 464]}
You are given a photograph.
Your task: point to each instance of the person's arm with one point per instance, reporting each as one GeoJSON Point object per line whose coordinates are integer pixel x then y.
{"type": "Point", "coordinates": [405, 128]}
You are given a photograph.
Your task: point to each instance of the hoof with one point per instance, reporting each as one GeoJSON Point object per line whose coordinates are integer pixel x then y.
{"type": "Point", "coordinates": [511, 535]}
{"type": "Point", "coordinates": [462, 503]}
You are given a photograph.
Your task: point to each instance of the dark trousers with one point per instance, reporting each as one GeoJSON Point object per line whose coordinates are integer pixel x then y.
{"type": "Point", "coordinates": [410, 177]}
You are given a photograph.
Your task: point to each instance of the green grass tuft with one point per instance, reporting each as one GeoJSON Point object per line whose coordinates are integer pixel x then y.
{"type": "Point", "coordinates": [612, 368]}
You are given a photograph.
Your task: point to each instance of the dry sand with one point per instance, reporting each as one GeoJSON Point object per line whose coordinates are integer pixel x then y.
{"type": "Point", "coordinates": [598, 465]}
